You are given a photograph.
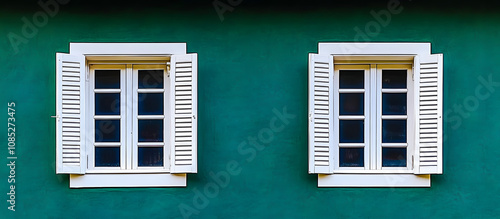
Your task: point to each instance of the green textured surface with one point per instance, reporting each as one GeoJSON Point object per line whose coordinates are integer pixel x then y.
{"type": "Point", "coordinates": [253, 62]}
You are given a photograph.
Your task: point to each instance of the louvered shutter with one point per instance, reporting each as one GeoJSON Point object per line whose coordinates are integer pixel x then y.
{"type": "Point", "coordinates": [429, 99]}
{"type": "Point", "coordinates": [320, 113]}
{"type": "Point", "coordinates": [70, 99]}
{"type": "Point", "coordinates": [184, 96]}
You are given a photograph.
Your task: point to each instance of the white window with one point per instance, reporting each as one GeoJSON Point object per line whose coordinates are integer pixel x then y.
{"type": "Point", "coordinates": [375, 114]}
{"type": "Point", "coordinates": [126, 114]}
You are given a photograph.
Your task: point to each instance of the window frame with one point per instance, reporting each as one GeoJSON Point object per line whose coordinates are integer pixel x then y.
{"type": "Point", "coordinates": [410, 116]}
{"type": "Point", "coordinates": [427, 148]}
{"type": "Point", "coordinates": [91, 118]}
{"type": "Point", "coordinates": [84, 54]}
{"type": "Point", "coordinates": [128, 117]}
{"type": "Point", "coordinates": [365, 117]}
{"type": "Point", "coordinates": [372, 118]}
{"type": "Point", "coordinates": [167, 101]}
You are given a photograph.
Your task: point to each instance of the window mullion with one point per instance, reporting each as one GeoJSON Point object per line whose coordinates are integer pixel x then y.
{"type": "Point", "coordinates": [368, 121]}
{"type": "Point", "coordinates": [129, 108]}
{"type": "Point", "coordinates": [374, 125]}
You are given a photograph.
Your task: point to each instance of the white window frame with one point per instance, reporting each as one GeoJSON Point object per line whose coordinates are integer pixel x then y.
{"type": "Point", "coordinates": [372, 118]}
{"type": "Point", "coordinates": [366, 117]}
{"type": "Point", "coordinates": [129, 175]}
{"type": "Point", "coordinates": [425, 159]}
{"type": "Point", "coordinates": [128, 118]}
{"type": "Point", "coordinates": [410, 130]}
{"type": "Point", "coordinates": [91, 117]}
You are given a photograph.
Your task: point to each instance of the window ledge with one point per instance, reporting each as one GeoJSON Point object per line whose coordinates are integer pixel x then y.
{"type": "Point", "coordinates": [120, 171]}
{"type": "Point", "coordinates": [127, 180]}
{"type": "Point", "coordinates": [374, 180]}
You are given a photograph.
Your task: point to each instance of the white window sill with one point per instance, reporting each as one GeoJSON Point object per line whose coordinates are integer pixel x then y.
{"type": "Point", "coordinates": [374, 180]}
{"type": "Point", "coordinates": [120, 171]}
{"type": "Point", "coordinates": [127, 180]}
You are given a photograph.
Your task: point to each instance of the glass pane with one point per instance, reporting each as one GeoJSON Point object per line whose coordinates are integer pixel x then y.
{"type": "Point", "coordinates": [107, 156]}
{"type": "Point", "coordinates": [150, 78]}
{"type": "Point", "coordinates": [106, 79]}
{"type": "Point", "coordinates": [393, 78]}
{"type": "Point", "coordinates": [351, 131]}
{"type": "Point", "coordinates": [107, 130]}
{"type": "Point", "coordinates": [352, 79]}
{"type": "Point", "coordinates": [107, 104]}
{"type": "Point", "coordinates": [394, 104]}
{"type": "Point", "coordinates": [351, 157]}
{"type": "Point", "coordinates": [150, 130]}
{"type": "Point", "coordinates": [351, 104]}
{"type": "Point", "coordinates": [150, 104]}
{"type": "Point", "coordinates": [394, 157]}
{"type": "Point", "coordinates": [150, 156]}
{"type": "Point", "coordinates": [393, 131]}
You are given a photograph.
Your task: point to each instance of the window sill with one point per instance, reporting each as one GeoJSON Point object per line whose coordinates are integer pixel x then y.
{"type": "Point", "coordinates": [393, 171]}
{"type": "Point", "coordinates": [136, 171]}
{"type": "Point", "coordinates": [374, 180]}
{"type": "Point", "coordinates": [127, 180]}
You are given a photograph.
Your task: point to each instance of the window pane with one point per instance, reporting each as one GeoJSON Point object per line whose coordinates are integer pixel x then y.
{"type": "Point", "coordinates": [150, 78]}
{"type": "Point", "coordinates": [351, 157]}
{"type": "Point", "coordinates": [394, 157]}
{"type": "Point", "coordinates": [107, 156]}
{"type": "Point", "coordinates": [352, 79]}
{"type": "Point", "coordinates": [393, 131]}
{"type": "Point", "coordinates": [351, 131]}
{"type": "Point", "coordinates": [351, 104]}
{"type": "Point", "coordinates": [150, 130]}
{"type": "Point", "coordinates": [394, 104]}
{"type": "Point", "coordinates": [393, 78]}
{"type": "Point", "coordinates": [107, 104]}
{"type": "Point", "coordinates": [150, 156]}
{"type": "Point", "coordinates": [107, 130]}
{"type": "Point", "coordinates": [150, 104]}
{"type": "Point", "coordinates": [107, 79]}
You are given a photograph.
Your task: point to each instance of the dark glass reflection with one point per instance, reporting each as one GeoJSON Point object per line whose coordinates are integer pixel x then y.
{"type": "Point", "coordinates": [107, 156]}
{"type": "Point", "coordinates": [351, 79]}
{"type": "Point", "coordinates": [107, 130]}
{"type": "Point", "coordinates": [107, 79]}
{"type": "Point", "coordinates": [393, 78]}
{"type": "Point", "coordinates": [351, 103]}
{"type": "Point", "coordinates": [351, 157]}
{"type": "Point", "coordinates": [393, 131]}
{"type": "Point", "coordinates": [394, 157]}
{"type": "Point", "coordinates": [150, 103]}
{"type": "Point", "coordinates": [393, 104]}
{"type": "Point", "coordinates": [150, 130]}
{"type": "Point", "coordinates": [107, 104]}
{"type": "Point", "coordinates": [149, 156]}
{"type": "Point", "coordinates": [351, 131]}
{"type": "Point", "coordinates": [150, 79]}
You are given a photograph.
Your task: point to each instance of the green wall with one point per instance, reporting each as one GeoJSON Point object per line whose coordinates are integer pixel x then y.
{"type": "Point", "coordinates": [249, 64]}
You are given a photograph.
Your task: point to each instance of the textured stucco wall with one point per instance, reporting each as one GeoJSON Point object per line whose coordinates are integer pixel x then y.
{"type": "Point", "coordinates": [250, 65]}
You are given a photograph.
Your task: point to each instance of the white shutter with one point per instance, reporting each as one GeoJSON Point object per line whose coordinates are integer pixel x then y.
{"type": "Point", "coordinates": [320, 113]}
{"type": "Point", "coordinates": [429, 100]}
{"type": "Point", "coordinates": [184, 96]}
{"type": "Point", "coordinates": [70, 99]}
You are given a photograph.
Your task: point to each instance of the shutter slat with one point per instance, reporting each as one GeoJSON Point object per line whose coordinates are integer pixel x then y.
{"type": "Point", "coordinates": [183, 111]}
{"type": "Point", "coordinates": [321, 163]}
